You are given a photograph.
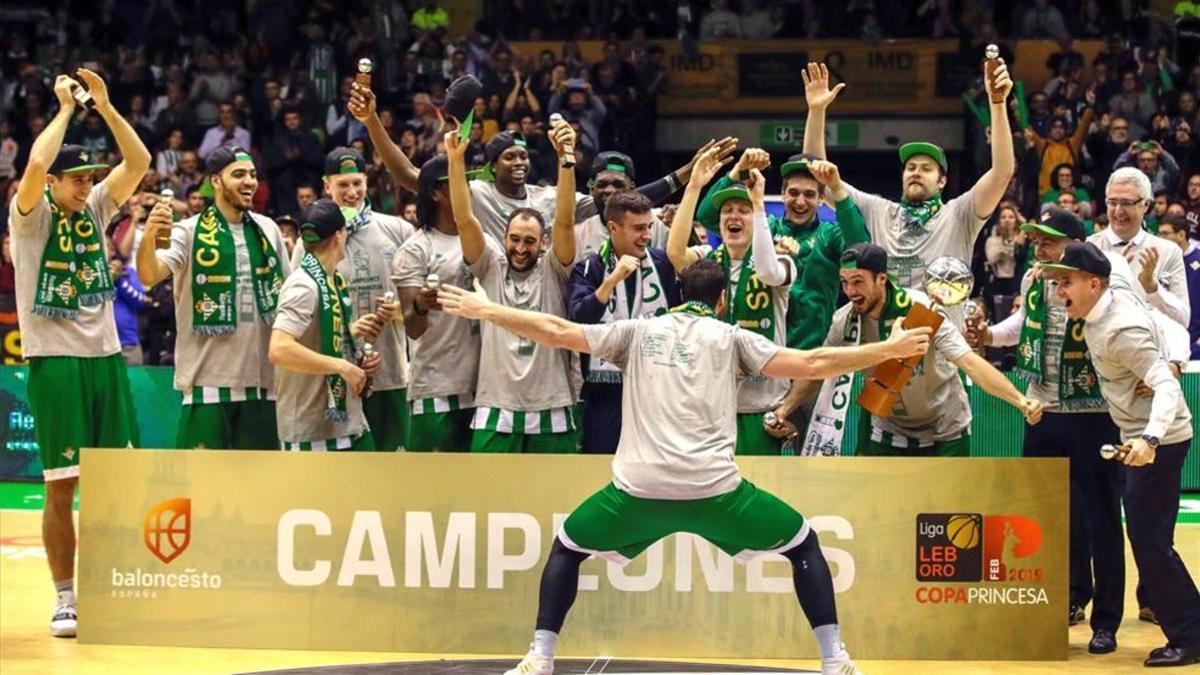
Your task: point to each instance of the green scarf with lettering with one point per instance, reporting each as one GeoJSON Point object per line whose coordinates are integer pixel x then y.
{"type": "Point", "coordinates": [694, 307]}
{"type": "Point", "coordinates": [74, 272]}
{"type": "Point", "coordinates": [920, 212]}
{"type": "Point", "coordinates": [214, 273]}
{"type": "Point", "coordinates": [1078, 385]}
{"type": "Point", "coordinates": [334, 313]}
{"type": "Point", "coordinates": [752, 304]}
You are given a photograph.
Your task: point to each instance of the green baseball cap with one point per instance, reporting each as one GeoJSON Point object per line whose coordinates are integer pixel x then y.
{"type": "Point", "coordinates": [908, 150]}
{"type": "Point", "coordinates": [1082, 256]}
{"type": "Point", "coordinates": [74, 159]}
{"type": "Point", "coordinates": [732, 192]}
{"type": "Point", "coordinates": [797, 163]}
{"type": "Point", "coordinates": [1056, 222]}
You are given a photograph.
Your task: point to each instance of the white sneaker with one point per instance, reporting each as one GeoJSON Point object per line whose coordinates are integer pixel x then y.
{"type": "Point", "coordinates": [65, 620]}
{"type": "Point", "coordinates": [533, 664]}
{"type": "Point", "coordinates": [839, 665]}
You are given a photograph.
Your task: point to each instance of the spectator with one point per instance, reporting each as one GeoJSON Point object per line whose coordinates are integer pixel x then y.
{"type": "Point", "coordinates": [1191, 207]}
{"type": "Point", "coordinates": [340, 127]}
{"type": "Point", "coordinates": [720, 23]}
{"type": "Point", "coordinates": [430, 17]}
{"type": "Point", "coordinates": [1063, 181]}
{"type": "Point", "coordinates": [1158, 164]}
{"type": "Point", "coordinates": [131, 299]}
{"type": "Point", "coordinates": [173, 111]}
{"type": "Point", "coordinates": [187, 173]}
{"type": "Point", "coordinates": [209, 89]}
{"type": "Point", "coordinates": [94, 135]}
{"type": "Point", "coordinates": [322, 71]}
{"type": "Point", "coordinates": [1105, 147]}
{"type": "Point", "coordinates": [1162, 202]}
{"type": "Point", "coordinates": [293, 158]}
{"type": "Point", "coordinates": [582, 106]}
{"type": "Point", "coordinates": [1042, 21]}
{"type": "Point", "coordinates": [1182, 145]}
{"type": "Point", "coordinates": [8, 283]}
{"type": "Point", "coordinates": [167, 159]}
{"type": "Point", "coordinates": [195, 201]}
{"type": "Point", "coordinates": [757, 22]}
{"type": "Point", "coordinates": [1175, 230]}
{"type": "Point", "coordinates": [1005, 251]}
{"type": "Point", "coordinates": [226, 133]}
{"type": "Point", "coordinates": [305, 196]}
{"type": "Point", "coordinates": [1133, 104]}
{"type": "Point", "coordinates": [1056, 148]}
{"type": "Point", "coordinates": [8, 153]}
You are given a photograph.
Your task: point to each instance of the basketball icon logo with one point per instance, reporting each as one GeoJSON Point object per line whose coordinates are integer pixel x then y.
{"type": "Point", "coordinates": [964, 531]}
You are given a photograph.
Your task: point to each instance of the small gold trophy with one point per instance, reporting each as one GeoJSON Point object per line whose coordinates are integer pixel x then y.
{"type": "Point", "coordinates": [1117, 452]}
{"type": "Point", "coordinates": [162, 238]}
{"type": "Point", "coordinates": [990, 63]}
{"type": "Point", "coordinates": [363, 77]}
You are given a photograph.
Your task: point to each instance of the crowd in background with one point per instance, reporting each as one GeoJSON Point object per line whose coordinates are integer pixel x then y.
{"type": "Point", "coordinates": [274, 76]}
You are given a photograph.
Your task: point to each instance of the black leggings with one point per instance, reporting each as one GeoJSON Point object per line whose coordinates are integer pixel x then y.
{"type": "Point", "coordinates": [810, 576]}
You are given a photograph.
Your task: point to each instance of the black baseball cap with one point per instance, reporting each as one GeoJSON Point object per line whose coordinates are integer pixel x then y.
{"type": "Point", "coordinates": [501, 142]}
{"type": "Point", "coordinates": [74, 159]}
{"type": "Point", "coordinates": [1056, 222]}
{"type": "Point", "coordinates": [865, 256]}
{"type": "Point", "coordinates": [611, 160]}
{"type": "Point", "coordinates": [461, 95]}
{"type": "Point", "coordinates": [1082, 256]}
{"type": "Point", "coordinates": [344, 160]}
{"type": "Point", "coordinates": [223, 156]}
{"type": "Point", "coordinates": [321, 221]}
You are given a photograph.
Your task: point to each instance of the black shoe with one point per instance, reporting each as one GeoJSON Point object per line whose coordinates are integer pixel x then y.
{"type": "Point", "coordinates": [1075, 615]}
{"type": "Point", "coordinates": [1171, 655]}
{"type": "Point", "coordinates": [1103, 642]}
{"type": "Point", "coordinates": [1147, 614]}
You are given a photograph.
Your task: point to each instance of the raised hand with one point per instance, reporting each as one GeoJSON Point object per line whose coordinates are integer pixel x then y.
{"type": "Point", "coordinates": [362, 102]}
{"type": "Point", "coordinates": [1003, 83]}
{"type": "Point", "coordinates": [707, 166]}
{"type": "Point", "coordinates": [906, 342]}
{"type": "Point", "coordinates": [456, 148]}
{"type": "Point", "coordinates": [816, 86]}
{"type": "Point", "coordinates": [1149, 265]}
{"type": "Point", "coordinates": [561, 136]}
{"type": "Point", "coordinates": [63, 86]}
{"type": "Point", "coordinates": [467, 304]}
{"type": "Point", "coordinates": [96, 87]}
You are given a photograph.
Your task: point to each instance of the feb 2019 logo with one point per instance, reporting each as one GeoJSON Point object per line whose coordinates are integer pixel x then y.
{"type": "Point", "coordinates": [969, 547]}
{"type": "Point", "coordinates": [167, 528]}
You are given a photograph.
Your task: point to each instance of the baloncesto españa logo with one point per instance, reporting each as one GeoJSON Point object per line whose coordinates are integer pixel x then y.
{"type": "Point", "coordinates": [972, 547]}
{"type": "Point", "coordinates": [167, 528]}
{"type": "Point", "coordinates": [166, 533]}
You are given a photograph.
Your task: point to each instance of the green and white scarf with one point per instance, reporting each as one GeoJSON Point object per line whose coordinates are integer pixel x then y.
{"type": "Point", "coordinates": [214, 278]}
{"type": "Point", "coordinates": [917, 214]}
{"type": "Point", "coordinates": [74, 272]}
{"type": "Point", "coordinates": [357, 220]}
{"type": "Point", "coordinates": [694, 307]}
{"type": "Point", "coordinates": [650, 301]}
{"type": "Point", "coordinates": [1078, 385]}
{"type": "Point", "coordinates": [334, 313]}
{"type": "Point", "coordinates": [828, 423]}
{"type": "Point", "coordinates": [752, 304]}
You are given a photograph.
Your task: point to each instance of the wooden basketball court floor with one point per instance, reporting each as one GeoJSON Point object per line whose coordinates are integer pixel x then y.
{"type": "Point", "coordinates": [26, 599]}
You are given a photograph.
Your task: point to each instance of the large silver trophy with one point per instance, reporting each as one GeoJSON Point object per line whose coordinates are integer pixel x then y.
{"type": "Point", "coordinates": [949, 282]}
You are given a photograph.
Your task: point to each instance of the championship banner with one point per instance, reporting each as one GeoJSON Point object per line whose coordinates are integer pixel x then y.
{"type": "Point", "coordinates": [443, 553]}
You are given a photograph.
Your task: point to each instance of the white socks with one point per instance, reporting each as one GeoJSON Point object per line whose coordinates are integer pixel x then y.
{"type": "Point", "coordinates": [829, 637]}
{"type": "Point", "coordinates": [544, 642]}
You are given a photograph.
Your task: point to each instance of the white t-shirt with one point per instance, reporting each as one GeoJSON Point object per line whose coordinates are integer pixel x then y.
{"type": "Point", "coordinates": [679, 401]}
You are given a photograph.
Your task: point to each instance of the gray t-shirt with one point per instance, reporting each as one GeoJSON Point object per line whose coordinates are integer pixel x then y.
{"type": "Point", "coordinates": [933, 406]}
{"type": "Point", "coordinates": [445, 359]}
{"type": "Point", "coordinates": [679, 401]}
{"type": "Point", "coordinates": [493, 208]}
{"type": "Point", "coordinates": [302, 398]}
{"type": "Point", "coordinates": [367, 269]}
{"type": "Point", "coordinates": [759, 393]}
{"type": "Point", "coordinates": [239, 359]}
{"type": "Point", "coordinates": [591, 232]}
{"type": "Point", "coordinates": [93, 332]}
{"type": "Point", "coordinates": [910, 245]}
{"type": "Point", "coordinates": [516, 373]}
{"type": "Point", "coordinates": [1125, 342]}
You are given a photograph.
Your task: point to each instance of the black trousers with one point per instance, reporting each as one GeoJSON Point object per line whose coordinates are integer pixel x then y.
{"type": "Point", "coordinates": [601, 417]}
{"type": "Point", "coordinates": [1097, 543]}
{"type": "Point", "coordinates": [1151, 507]}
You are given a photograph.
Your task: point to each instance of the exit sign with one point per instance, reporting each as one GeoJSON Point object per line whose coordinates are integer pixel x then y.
{"type": "Point", "coordinates": [789, 135]}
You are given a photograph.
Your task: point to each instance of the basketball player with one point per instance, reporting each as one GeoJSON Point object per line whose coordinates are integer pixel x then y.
{"type": "Point", "coordinates": [78, 387]}
{"type": "Point", "coordinates": [674, 469]}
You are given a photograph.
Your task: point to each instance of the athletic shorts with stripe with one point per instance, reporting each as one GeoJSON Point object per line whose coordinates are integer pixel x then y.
{"type": "Point", "coordinates": [744, 522]}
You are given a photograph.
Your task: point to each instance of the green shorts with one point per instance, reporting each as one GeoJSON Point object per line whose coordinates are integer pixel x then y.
{"type": "Point", "coordinates": [240, 425]}
{"type": "Point", "coordinates": [440, 432]}
{"type": "Point", "coordinates": [363, 442]}
{"type": "Point", "coordinates": [79, 402]}
{"type": "Point", "coordinates": [743, 523]}
{"type": "Point", "coordinates": [753, 439]}
{"type": "Point", "coordinates": [567, 442]}
{"type": "Point", "coordinates": [956, 447]}
{"type": "Point", "coordinates": [387, 414]}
